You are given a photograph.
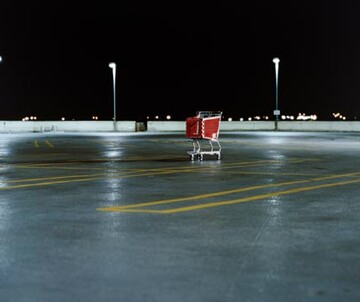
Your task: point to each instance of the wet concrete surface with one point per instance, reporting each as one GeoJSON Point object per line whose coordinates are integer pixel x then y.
{"type": "Point", "coordinates": [129, 217]}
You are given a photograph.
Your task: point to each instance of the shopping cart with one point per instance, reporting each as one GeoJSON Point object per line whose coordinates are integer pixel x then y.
{"type": "Point", "coordinates": [204, 126]}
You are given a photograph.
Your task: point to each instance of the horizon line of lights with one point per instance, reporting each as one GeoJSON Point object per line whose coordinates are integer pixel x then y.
{"type": "Point", "coordinates": [300, 117]}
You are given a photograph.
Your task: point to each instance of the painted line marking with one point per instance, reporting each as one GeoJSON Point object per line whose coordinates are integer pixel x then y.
{"type": "Point", "coordinates": [256, 197]}
{"type": "Point", "coordinates": [134, 207]}
{"type": "Point", "coordinates": [46, 183]}
{"type": "Point", "coordinates": [49, 144]}
{"type": "Point", "coordinates": [126, 174]}
{"type": "Point", "coordinates": [37, 145]}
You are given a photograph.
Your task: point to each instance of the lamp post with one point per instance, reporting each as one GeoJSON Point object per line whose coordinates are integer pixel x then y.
{"type": "Point", "coordinates": [112, 65]}
{"type": "Point", "coordinates": [276, 111]}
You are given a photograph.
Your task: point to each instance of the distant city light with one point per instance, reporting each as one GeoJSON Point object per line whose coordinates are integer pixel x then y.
{"type": "Point", "coordinates": [27, 118]}
{"type": "Point", "coordinates": [338, 115]}
{"type": "Point", "coordinates": [287, 117]}
{"type": "Point", "coordinates": [230, 119]}
{"type": "Point", "coordinates": [95, 117]}
{"type": "Point", "coordinates": [168, 117]}
{"type": "Point", "coordinates": [63, 119]}
{"type": "Point", "coordinates": [304, 117]}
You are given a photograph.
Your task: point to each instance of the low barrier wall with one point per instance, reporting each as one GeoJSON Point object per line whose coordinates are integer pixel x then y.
{"type": "Point", "coordinates": [171, 126]}
{"type": "Point", "coordinates": [319, 126]}
{"type": "Point", "coordinates": [158, 126]}
{"type": "Point", "coordinates": [66, 126]}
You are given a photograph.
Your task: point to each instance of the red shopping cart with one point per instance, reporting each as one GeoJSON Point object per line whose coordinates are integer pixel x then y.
{"type": "Point", "coordinates": [204, 126]}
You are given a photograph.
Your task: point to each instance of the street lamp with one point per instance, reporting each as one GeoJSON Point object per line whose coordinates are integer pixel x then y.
{"type": "Point", "coordinates": [276, 111]}
{"type": "Point", "coordinates": [112, 65]}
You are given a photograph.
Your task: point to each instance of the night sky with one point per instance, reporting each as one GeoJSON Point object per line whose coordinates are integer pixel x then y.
{"type": "Point", "coordinates": [178, 57]}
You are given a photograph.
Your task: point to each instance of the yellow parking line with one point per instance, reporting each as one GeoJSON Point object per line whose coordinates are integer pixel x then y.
{"type": "Point", "coordinates": [49, 144]}
{"type": "Point", "coordinates": [81, 176]}
{"type": "Point", "coordinates": [135, 207]}
{"type": "Point", "coordinates": [255, 197]}
{"type": "Point", "coordinates": [36, 144]}
{"type": "Point", "coordinates": [46, 183]}
{"type": "Point", "coordinates": [202, 196]}
{"type": "Point", "coordinates": [133, 173]}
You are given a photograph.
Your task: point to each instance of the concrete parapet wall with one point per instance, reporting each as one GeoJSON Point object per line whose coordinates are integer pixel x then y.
{"type": "Point", "coordinates": [246, 125]}
{"type": "Point", "coordinates": [170, 126]}
{"type": "Point", "coordinates": [319, 126]}
{"type": "Point", "coordinates": [161, 126]}
{"type": "Point", "coordinates": [66, 126]}
{"type": "Point", "coordinates": [157, 126]}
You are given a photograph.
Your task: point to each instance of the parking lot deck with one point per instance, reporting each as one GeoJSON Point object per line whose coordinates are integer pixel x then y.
{"type": "Point", "coordinates": [130, 217]}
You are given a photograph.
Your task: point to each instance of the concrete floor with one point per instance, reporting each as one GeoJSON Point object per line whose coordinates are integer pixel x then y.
{"type": "Point", "coordinates": [129, 217]}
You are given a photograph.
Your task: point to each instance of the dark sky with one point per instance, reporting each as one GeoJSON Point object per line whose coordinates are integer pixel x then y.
{"type": "Point", "coordinates": [178, 57]}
